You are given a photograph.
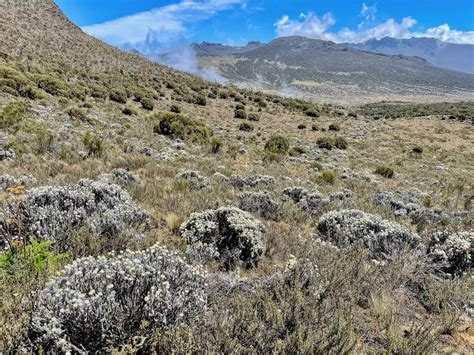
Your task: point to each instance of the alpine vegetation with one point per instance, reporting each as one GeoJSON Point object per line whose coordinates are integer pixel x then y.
{"type": "Point", "coordinates": [261, 203]}
{"type": "Point", "coordinates": [381, 237]}
{"type": "Point", "coordinates": [195, 180]}
{"type": "Point", "coordinates": [227, 234]}
{"type": "Point", "coordinates": [241, 182]}
{"type": "Point", "coordinates": [51, 213]}
{"type": "Point", "coordinates": [110, 301]}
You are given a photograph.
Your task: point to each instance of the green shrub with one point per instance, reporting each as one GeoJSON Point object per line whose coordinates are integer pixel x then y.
{"type": "Point", "coordinates": [240, 107]}
{"type": "Point", "coordinates": [182, 127]}
{"type": "Point", "coordinates": [175, 108]}
{"type": "Point", "coordinates": [118, 95]}
{"type": "Point", "coordinates": [129, 111]}
{"type": "Point", "coordinates": [147, 103]}
{"type": "Point", "coordinates": [216, 145]}
{"type": "Point", "coordinates": [315, 128]}
{"type": "Point", "coordinates": [246, 127]}
{"type": "Point", "coordinates": [334, 127]}
{"type": "Point", "coordinates": [328, 176]}
{"type": "Point", "coordinates": [12, 114]}
{"type": "Point", "coordinates": [240, 114]}
{"type": "Point", "coordinates": [332, 142]}
{"type": "Point", "coordinates": [77, 113]}
{"type": "Point", "coordinates": [93, 144]}
{"type": "Point", "coordinates": [301, 126]}
{"type": "Point", "coordinates": [316, 165]}
{"type": "Point", "coordinates": [200, 100]}
{"type": "Point", "coordinates": [51, 85]}
{"type": "Point", "coordinates": [340, 143]}
{"type": "Point", "coordinates": [385, 171]}
{"type": "Point", "coordinates": [312, 113]}
{"type": "Point", "coordinates": [277, 145]}
{"type": "Point", "coordinates": [418, 150]}
{"type": "Point", "coordinates": [42, 137]}
{"type": "Point", "coordinates": [296, 151]}
{"type": "Point", "coordinates": [100, 92]}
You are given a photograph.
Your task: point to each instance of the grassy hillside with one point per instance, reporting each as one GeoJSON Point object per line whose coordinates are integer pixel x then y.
{"type": "Point", "coordinates": [172, 161]}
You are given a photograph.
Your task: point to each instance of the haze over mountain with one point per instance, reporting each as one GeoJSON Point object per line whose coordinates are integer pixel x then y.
{"type": "Point", "coordinates": [329, 71]}
{"type": "Point", "coordinates": [452, 56]}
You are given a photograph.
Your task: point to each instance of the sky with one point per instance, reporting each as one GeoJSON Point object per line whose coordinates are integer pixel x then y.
{"type": "Point", "coordinates": [153, 25]}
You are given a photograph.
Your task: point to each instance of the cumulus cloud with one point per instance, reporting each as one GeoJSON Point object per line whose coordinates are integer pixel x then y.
{"type": "Point", "coordinates": [313, 26]}
{"type": "Point", "coordinates": [164, 24]}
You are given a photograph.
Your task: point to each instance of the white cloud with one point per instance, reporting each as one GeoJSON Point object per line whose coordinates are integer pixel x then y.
{"type": "Point", "coordinates": [313, 26]}
{"type": "Point", "coordinates": [164, 24]}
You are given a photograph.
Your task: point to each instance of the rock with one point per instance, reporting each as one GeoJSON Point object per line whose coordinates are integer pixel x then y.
{"type": "Point", "coordinates": [227, 234]}
{"type": "Point", "coordinates": [261, 203]}
{"type": "Point", "coordinates": [99, 303]}
{"type": "Point", "coordinates": [195, 180]}
{"type": "Point", "coordinates": [240, 181]}
{"type": "Point", "coordinates": [381, 237]}
{"type": "Point", "coordinates": [452, 252]}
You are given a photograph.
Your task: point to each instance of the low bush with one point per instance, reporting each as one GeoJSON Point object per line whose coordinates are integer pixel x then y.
{"type": "Point", "coordinates": [334, 127]}
{"type": "Point", "coordinates": [182, 127]}
{"type": "Point", "coordinates": [385, 171]}
{"type": "Point", "coordinates": [129, 111]}
{"type": "Point", "coordinates": [328, 176]}
{"type": "Point", "coordinates": [240, 114]}
{"type": "Point", "coordinates": [12, 114]}
{"type": "Point", "coordinates": [51, 85]}
{"type": "Point", "coordinates": [175, 108]}
{"type": "Point", "coordinates": [200, 100]}
{"type": "Point", "coordinates": [118, 95]}
{"type": "Point", "coordinates": [277, 145]}
{"type": "Point", "coordinates": [216, 145]}
{"type": "Point", "coordinates": [246, 127]}
{"type": "Point", "coordinates": [93, 144]}
{"type": "Point", "coordinates": [253, 117]}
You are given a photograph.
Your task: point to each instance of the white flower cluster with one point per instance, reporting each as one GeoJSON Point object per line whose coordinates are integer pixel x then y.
{"type": "Point", "coordinates": [195, 180]}
{"type": "Point", "coordinates": [408, 203]}
{"type": "Point", "coordinates": [312, 202]}
{"type": "Point", "coordinates": [235, 235]}
{"type": "Point", "coordinates": [381, 237]}
{"type": "Point", "coordinates": [261, 203]}
{"type": "Point", "coordinates": [51, 213]}
{"type": "Point", "coordinates": [97, 303]}
{"type": "Point", "coordinates": [241, 182]}
{"type": "Point", "coordinates": [7, 181]}
{"type": "Point", "coordinates": [121, 177]}
{"type": "Point", "coordinates": [453, 252]}
{"type": "Point", "coordinates": [7, 154]}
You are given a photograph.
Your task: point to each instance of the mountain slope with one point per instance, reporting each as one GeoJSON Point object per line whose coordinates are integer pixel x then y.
{"type": "Point", "coordinates": [459, 57]}
{"type": "Point", "coordinates": [325, 69]}
{"type": "Point", "coordinates": [211, 49]}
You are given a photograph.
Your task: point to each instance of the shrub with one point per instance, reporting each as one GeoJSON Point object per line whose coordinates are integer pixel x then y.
{"type": "Point", "coordinates": [312, 113]}
{"type": "Point", "coordinates": [240, 114]}
{"type": "Point", "coordinates": [315, 128]}
{"type": "Point", "coordinates": [147, 103]}
{"type": "Point", "coordinates": [330, 143]}
{"type": "Point", "coordinates": [253, 117]}
{"type": "Point", "coordinates": [119, 95]}
{"type": "Point", "coordinates": [334, 127]}
{"type": "Point", "coordinates": [200, 100]}
{"type": "Point", "coordinates": [100, 92]}
{"type": "Point", "coordinates": [385, 171]}
{"type": "Point", "coordinates": [417, 150]}
{"type": "Point", "coordinates": [12, 114]}
{"type": "Point", "coordinates": [277, 145]}
{"type": "Point", "coordinates": [328, 176]}
{"type": "Point", "coordinates": [216, 145]}
{"type": "Point", "coordinates": [296, 151]}
{"type": "Point", "coordinates": [77, 113]}
{"type": "Point", "coordinates": [175, 108]}
{"type": "Point", "coordinates": [182, 127]}
{"type": "Point", "coordinates": [227, 234]}
{"type": "Point", "coordinates": [316, 165]}
{"type": "Point", "coordinates": [246, 127]}
{"type": "Point", "coordinates": [51, 85]}
{"type": "Point", "coordinates": [134, 294]}
{"type": "Point", "coordinates": [340, 143]}
{"type": "Point", "coordinates": [301, 126]}
{"type": "Point", "coordinates": [240, 107]}
{"type": "Point", "coordinates": [261, 203]}
{"type": "Point", "coordinates": [129, 111]}
{"type": "Point", "coordinates": [194, 180]}
{"type": "Point", "coordinates": [93, 144]}
{"type": "Point", "coordinates": [43, 137]}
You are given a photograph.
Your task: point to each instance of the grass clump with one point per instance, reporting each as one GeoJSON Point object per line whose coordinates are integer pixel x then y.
{"type": "Point", "coordinates": [119, 95]}
{"type": "Point", "coordinates": [12, 114]}
{"type": "Point", "coordinates": [385, 171]}
{"type": "Point", "coordinates": [93, 144]}
{"type": "Point", "coordinates": [216, 145]}
{"type": "Point", "coordinates": [78, 114]}
{"type": "Point", "coordinates": [182, 127]}
{"type": "Point", "coordinates": [328, 176]}
{"type": "Point", "coordinates": [51, 85]}
{"type": "Point", "coordinates": [129, 111]}
{"type": "Point", "coordinates": [175, 108]}
{"type": "Point", "coordinates": [246, 127]}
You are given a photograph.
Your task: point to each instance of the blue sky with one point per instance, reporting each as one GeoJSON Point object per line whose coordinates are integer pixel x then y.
{"type": "Point", "coordinates": [163, 23]}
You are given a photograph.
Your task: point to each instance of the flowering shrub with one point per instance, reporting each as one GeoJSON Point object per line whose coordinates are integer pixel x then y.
{"type": "Point", "coordinates": [453, 252]}
{"type": "Point", "coordinates": [195, 180]}
{"type": "Point", "coordinates": [121, 177]}
{"type": "Point", "coordinates": [50, 213]}
{"type": "Point", "coordinates": [260, 202]}
{"type": "Point", "coordinates": [227, 234]}
{"type": "Point", "coordinates": [109, 301]}
{"type": "Point", "coordinates": [381, 237]}
{"type": "Point", "coordinates": [312, 202]}
{"type": "Point", "coordinates": [7, 181]}
{"type": "Point", "coordinates": [240, 181]}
